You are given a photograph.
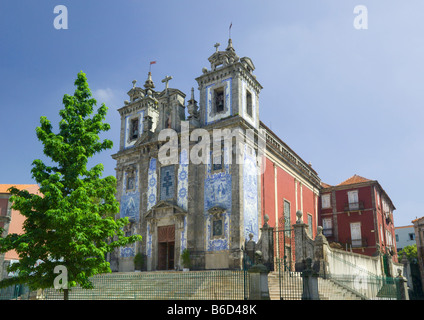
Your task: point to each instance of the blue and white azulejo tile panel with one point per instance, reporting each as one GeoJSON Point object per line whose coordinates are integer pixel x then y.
{"type": "Point", "coordinates": [148, 241]}
{"type": "Point", "coordinates": [217, 192]}
{"type": "Point", "coordinates": [182, 195]}
{"type": "Point", "coordinates": [129, 143]}
{"type": "Point", "coordinates": [167, 182]}
{"type": "Point", "coordinates": [152, 184]}
{"type": "Point", "coordinates": [250, 195]}
{"type": "Point", "coordinates": [130, 199]}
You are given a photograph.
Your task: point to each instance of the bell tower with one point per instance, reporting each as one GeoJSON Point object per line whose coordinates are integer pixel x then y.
{"type": "Point", "coordinates": [171, 108]}
{"type": "Point", "coordinates": [228, 88]}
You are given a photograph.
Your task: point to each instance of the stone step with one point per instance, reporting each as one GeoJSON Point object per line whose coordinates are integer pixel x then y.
{"type": "Point", "coordinates": [158, 285]}
{"type": "Point", "coordinates": [173, 285]}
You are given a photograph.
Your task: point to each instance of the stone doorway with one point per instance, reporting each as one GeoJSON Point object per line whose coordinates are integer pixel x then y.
{"type": "Point", "coordinates": [166, 247]}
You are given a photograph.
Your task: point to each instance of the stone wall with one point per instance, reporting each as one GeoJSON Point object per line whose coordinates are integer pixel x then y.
{"type": "Point", "coordinates": [327, 260]}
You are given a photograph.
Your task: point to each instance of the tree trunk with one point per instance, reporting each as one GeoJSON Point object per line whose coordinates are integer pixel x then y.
{"type": "Point", "coordinates": [65, 294]}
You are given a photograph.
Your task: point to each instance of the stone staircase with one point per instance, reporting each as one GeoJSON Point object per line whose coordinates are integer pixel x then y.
{"type": "Point", "coordinates": [159, 285]}
{"type": "Point", "coordinates": [292, 287]}
{"type": "Point", "coordinates": [329, 290]}
{"type": "Point", "coordinates": [203, 285]}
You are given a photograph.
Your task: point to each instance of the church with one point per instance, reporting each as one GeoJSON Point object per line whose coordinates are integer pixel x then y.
{"type": "Point", "coordinates": [211, 206]}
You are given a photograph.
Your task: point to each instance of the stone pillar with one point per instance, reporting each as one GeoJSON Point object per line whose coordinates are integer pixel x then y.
{"type": "Point", "coordinates": [310, 282]}
{"type": "Point", "coordinates": [407, 270]}
{"type": "Point", "coordinates": [147, 123]}
{"type": "Point", "coordinates": [258, 276]}
{"type": "Point", "coordinates": [401, 287]}
{"type": "Point", "coordinates": [320, 263]}
{"type": "Point", "coordinates": [250, 249]}
{"type": "Point", "coordinates": [266, 245]}
{"type": "Point", "coordinates": [300, 237]}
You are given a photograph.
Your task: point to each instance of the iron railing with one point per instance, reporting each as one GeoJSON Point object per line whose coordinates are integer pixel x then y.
{"type": "Point", "coordinates": [352, 206]}
{"type": "Point", "coordinates": [15, 292]}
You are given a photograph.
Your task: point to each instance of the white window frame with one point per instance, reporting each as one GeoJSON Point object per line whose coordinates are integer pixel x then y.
{"type": "Point", "coordinates": [327, 224]}
{"type": "Point", "coordinates": [353, 199]}
{"type": "Point", "coordinates": [354, 236]}
{"type": "Point", "coordinates": [326, 201]}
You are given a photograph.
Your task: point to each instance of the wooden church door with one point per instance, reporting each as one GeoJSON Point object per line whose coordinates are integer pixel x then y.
{"type": "Point", "coordinates": [166, 246]}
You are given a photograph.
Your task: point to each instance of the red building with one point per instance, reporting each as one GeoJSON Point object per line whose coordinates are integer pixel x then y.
{"type": "Point", "coordinates": [288, 184]}
{"type": "Point", "coordinates": [358, 214]}
{"type": "Point", "coordinates": [11, 220]}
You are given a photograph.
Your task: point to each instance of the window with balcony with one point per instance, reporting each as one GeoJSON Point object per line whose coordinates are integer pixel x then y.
{"type": "Point", "coordinates": [353, 200]}
{"type": "Point", "coordinates": [327, 227]}
{"type": "Point", "coordinates": [355, 234]}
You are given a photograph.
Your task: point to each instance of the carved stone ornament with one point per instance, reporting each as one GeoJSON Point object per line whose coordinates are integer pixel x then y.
{"type": "Point", "coordinates": [216, 211]}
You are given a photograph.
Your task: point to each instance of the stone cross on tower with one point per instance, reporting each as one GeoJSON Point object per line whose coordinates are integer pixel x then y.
{"type": "Point", "coordinates": [166, 80]}
{"type": "Point", "coordinates": [216, 45]}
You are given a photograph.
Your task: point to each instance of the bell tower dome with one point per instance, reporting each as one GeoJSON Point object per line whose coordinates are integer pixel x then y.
{"type": "Point", "coordinates": [229, 88]}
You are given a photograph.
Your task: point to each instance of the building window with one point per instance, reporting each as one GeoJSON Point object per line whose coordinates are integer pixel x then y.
{"type": "Point", "coordinates": [219, 100]}
{"type": "Point", "coordinates": [310, 225]}
{"type": "Point", "coordinates": [287, 222]}
{"type": "Point", "coordinates": [381, 234]}
{"type": "Point", "coordinates": [355, 234]}
{"type": "Point", "coordinates": [249, 106]}
{"type": "Point", "coordinates": [411, 236]}
{"type": "Point", "coordinates": [353, 200]}
{"type": "Point", "coordinates": [327, 227]}
{"type": "Point", "coordinates": [325, 199]}
{"type": "Point", "coordinates": [378, 198]}
{"type": "Point", "coordinates": [134, 129]}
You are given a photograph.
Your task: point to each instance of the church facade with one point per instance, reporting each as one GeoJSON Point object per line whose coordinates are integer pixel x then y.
{"type": "Point", "coordinates": [202, 175]}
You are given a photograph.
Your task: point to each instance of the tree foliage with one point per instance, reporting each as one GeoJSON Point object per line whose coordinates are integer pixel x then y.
{"type": "Point", "coordinates": [410, 252]}
{"type": "Point", "coordinates": [72, 222]}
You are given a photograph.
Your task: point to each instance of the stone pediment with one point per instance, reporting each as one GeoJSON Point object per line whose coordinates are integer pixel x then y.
{"type": "Point", "coordinates": [216, 210]}
{"type": "Point", "coordinates": [171, 91]}
{"type": "Point", "coordinates": [247, 62]}
{"type": "Point", "coordinates": [164, 205]}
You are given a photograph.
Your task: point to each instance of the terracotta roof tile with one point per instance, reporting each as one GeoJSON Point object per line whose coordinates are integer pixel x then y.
{"type": "Point", "coordinates": [416, 220]}
{"type": "Point", "coordinates": [354, 179]}
{"type": "Point", "coordinates": [325, 185]}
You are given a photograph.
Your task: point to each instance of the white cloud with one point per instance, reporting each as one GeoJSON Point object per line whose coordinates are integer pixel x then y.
{"type": "Point", "coordinates": [106, 96]}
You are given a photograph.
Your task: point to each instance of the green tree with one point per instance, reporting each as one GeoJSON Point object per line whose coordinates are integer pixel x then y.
{"type": "Point", "coordinates": [72, 224]}
{"type": "Point", "coordinates": [410, 252]}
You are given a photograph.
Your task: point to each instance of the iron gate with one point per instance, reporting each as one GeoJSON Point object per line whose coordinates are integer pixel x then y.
{"type": "Point", "coordinates": [290, 283]}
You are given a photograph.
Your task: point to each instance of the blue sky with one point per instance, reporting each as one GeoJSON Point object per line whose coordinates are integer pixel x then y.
{"type": "Point", "coordinates": [349, 101]}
